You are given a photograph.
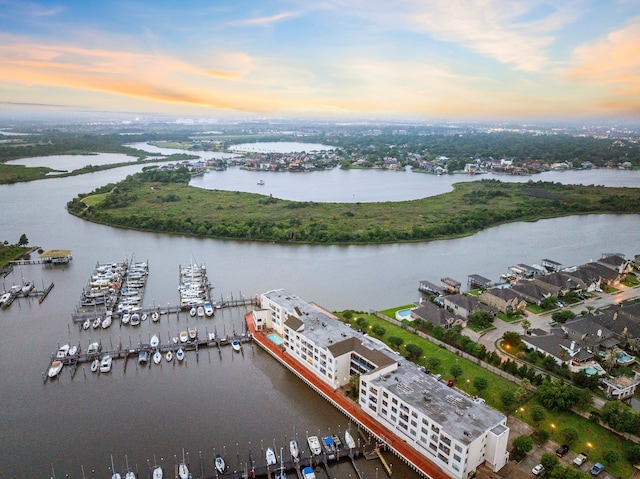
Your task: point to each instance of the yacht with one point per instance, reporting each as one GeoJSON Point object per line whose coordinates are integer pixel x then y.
{"type": "Point", "coordinates": [293, 449]}
{"type": "Point", "coordinates": [157, 357]}
{"type": "Point", "coordinates": [184, 336]}
{"type": "Point", "coordinates": [155, 316]}
{"type": "Point", "coordinates": [220, 464]}
{"type": "Point", "coordinates": [180, 355]}
{"type": "Point", "coordinates": [271, 457]}
{"type": "Point", "coordinates": [62, 352]}
{"type": "Point", "coordinates": [95, 365]}
{"type": "Point", "coordinates": [155, 341]}
{"type": "Point", "coordinates": [54, 369]}
{"type": "Point", "coordinates": [200, 311]}
{"type": "Point", "coordinates": [169, 356]}
{"type": "Point", "coordinates": [105, 364]}
{"type": "Point", "coordinates": [348, 439]}
{"type": "Point", "coordinates": [94, 348]}
{"type": "Point", "coordinates": [314, 445]}
{"type": "Point", "coordinates": [208, 309]}
{"type": "Point", "coordinates": [235, 344]}
{"type": "Point", "coordinates": [307, 473]}
{"type": "Point", "coordinates": [193, 333]}
{"type": "Point", "coordinates": [143, 357]}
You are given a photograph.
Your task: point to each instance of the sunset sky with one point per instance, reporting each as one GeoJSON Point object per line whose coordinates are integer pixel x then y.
{"type": "Point", "coordinates": [425, 59]}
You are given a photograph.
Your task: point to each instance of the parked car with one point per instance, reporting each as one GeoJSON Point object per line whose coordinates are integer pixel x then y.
{"type": "Point", "coordinates": [562, 450]}
{"type": "Point", "coordinates": [580, 459]}
{"type": "Point", "coordinates": [538, 470]}
{"type": "Point", "coordinates": [597, 468]}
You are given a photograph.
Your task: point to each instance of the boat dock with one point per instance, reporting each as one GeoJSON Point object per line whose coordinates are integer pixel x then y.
{"type": "Point", "coordinates": [124, 352]}
{"type": "Point", "coordinates": [14, 294]}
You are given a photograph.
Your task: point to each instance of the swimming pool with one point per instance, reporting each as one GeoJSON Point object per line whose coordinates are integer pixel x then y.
{"type": "Point", "coordinates": [403, 314]}
{"type": "Point", "coordinates": [275, 338]}
{"type": "Point", "coordinates": [624, 358]}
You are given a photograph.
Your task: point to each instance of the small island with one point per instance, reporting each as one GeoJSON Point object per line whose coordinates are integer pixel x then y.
{"type": "Point", "coordinates": [162, 201]}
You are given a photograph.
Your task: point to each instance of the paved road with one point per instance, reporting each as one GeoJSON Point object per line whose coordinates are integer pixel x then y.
{"type": "Point", "coordinates": [542, 321]}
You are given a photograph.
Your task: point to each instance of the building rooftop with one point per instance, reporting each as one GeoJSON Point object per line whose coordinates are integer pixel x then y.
{"type": "Point", "coordinates": [461, 417]}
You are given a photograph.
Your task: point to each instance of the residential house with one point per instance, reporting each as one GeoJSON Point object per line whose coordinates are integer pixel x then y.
{"type": "Point", "coordinates": [462, 305]}
{"type": "Point", "coordinates": [434, 314]}
{"type": "Point", "coordinates": [530, 291]}
{"type": "Point", "coordinates": [503, 299]}
{"type": "Point", "coordinates": [559, 283]}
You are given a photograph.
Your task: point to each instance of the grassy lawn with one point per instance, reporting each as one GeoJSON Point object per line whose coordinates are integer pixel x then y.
{"type": "Point", "coordinates": [392, 312]}
{"type": "Point", "coordinates": [497, 384]}
{"type": "Point", "coordinates": [93, 200]}
{"type": "Point", "coordinates": [631, 281]}
{"type": "Point", "coordinates": [514, 318]}
{"type": "Point", "coordinates": [592, 438]}
{"type": "Point", "coordinates": [11, 253]}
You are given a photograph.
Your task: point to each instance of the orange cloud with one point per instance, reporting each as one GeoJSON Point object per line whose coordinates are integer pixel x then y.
{"type": "Point", "coordinates": [613, 66]}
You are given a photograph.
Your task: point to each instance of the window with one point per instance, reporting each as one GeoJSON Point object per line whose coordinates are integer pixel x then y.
{"type": "Point", "coordinates": [446, 440]}
{"type": "Point", "coordinates": [456, 458]}
{"type": "Point", "coordinates": [458, 448]}
{"type": "Point", "coordinates": [435, 428]}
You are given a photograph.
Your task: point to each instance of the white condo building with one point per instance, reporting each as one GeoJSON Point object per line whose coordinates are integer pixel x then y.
{"type": "Point", "coordinates": [453, 430]}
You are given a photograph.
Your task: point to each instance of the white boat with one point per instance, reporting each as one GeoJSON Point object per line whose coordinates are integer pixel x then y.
{"type": "Point", "coordinates": [208, 309]}
{"type": "Point", "coordinates": [261, 182]}
{"type": "Point", "coordinates": [180, 355]}
{"type": "Point", "coordinates": [55, 368]}
{"type": "Point", "coordinates": [157, 357]}
{"type": "Point", "coordinates": [157, 473]}
{"type": "Point", "coordinates": [134, 319]}
{"type": "Point", "coordinates": [126, 317]}
{"type": "Point", "coordinates": [200, 311]}
{"type": "Point", "coordinates": [155, 341]}
{"type": "Point", "coordinates": [183, 470]}
{"type": "Point", "coordinates": [314, 445]}
{"type": "Point", "coordinates": [184, 336]}
{"type": "Point", "coordinates": [93, 348]}
{"type": "Point", "coordinates": [271, 457]}
{"type": "Point", "coordinates": [293, 449]}
{"type": "Point", "coordinates": [27, 287]}
{"type": "Point", "coordinates": [95, 365]}
{"type": "Point", "coordinates": [193, 311]}
{"type": "Point", "coordinates": [220, 464]}
{"type": "Point", "coordinates": [105, 364]}
{"type": "Point", "coordinates": [144, 317]}
{"type": "Point", "coordinates": [73, 350]}
{"type": "Point", "coordinates": [235, 344]}
{"type": "Point", "coordinates": [307, 473]}
{"type": "Point", "coordinates": [62, 352]}
{"type": "Point", "coordinates": [114, 473]}
{"type": "Point", "coordinates": [193, 333]}
{"type": "Point", "coordinates": [169, 356]}
{"type": "Point", "coordinates": [96, 323]}
{"type": "Point", "coordinates": [348, 439]}
{"type": "Point", "coordinates": [4, 299]}
{"type": "Point", "coordinates": [106, 322]}
{"type": "Point", "coordinates": [155, 316]}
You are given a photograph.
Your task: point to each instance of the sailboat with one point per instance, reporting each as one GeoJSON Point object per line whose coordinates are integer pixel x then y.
{"type": "Point", "coordinates": [271, 457]}
{"type": "Point", "coordinates": [293, 449]}
{"type": "Point", "coordinates": [156, 472]}
{"type": "Point", "coordinates": [349, 440]}
{"type": "Point", "coordinates": [280, 474]}
{"type": "Point", "coordinates": [220, 464]}
{"type": "Point", "coordinates": [114, 473]}
{"type": "Point", "coordinates": [183, 470]}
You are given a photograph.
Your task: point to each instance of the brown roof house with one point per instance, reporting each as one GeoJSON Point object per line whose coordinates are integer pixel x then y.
{"type": "Point", "coordinates": [503, 299]}
{"type": "Point", "coordinates": [434, 314]}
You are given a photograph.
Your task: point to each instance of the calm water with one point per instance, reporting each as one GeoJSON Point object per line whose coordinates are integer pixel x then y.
{"type": "Point", "coordinates": [226, 401]}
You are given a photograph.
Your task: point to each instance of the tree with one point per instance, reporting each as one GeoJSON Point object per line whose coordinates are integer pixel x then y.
{"type": "Point", "coordinates": [570, 435]}
{"type": "Point", "coordinates": [557, 395]}
{"type": "Point", "coordinates": [521, 446]}
{"type": "Point", "coordinates": [23, 241]}
{"type": "Point", "coordinates": [378, 330]}
{"type": "Point", "coordinates": [480, 384]}
{"type": "Point", "coordinates": [610, 456]}
{"type": "Point", "coordinates": [395, 341]}
{"type": "Point", "coordinates": [549, 461]}
{"type": "Point", "coordinates": [563, 316]}
{"type": "Point", "coordinates": [413, 351]}
{"type": "Point", "coordinates": [512, 339]}
{"type": "Point", "coordinates": [537, 414]}
{"type": "Point", "coordinates": [433, 363]}
{"type": "Point", "coordinates": [507, 397]}
{"type": "Point", "coordinates": [526, 325]}
{"type": "Point", "coordinates": [456, 370]}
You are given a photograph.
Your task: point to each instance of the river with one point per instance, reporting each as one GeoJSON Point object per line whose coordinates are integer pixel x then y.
{"type": "Point", "coordinates": [230, 402]}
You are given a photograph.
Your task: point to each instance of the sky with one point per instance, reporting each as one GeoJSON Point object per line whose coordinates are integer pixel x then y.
{"type": "Point", "coordinates": [414, 59]}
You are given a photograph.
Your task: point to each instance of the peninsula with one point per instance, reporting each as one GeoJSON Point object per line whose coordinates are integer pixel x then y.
{"type": "Point", "coordinates": [162, 201]}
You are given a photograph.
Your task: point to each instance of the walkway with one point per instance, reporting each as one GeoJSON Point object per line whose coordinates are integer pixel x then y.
{"type": "Point", "coordinates": [351, 409]}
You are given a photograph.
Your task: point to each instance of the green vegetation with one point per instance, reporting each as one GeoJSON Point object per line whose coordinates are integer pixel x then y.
{"type": "Point", "coordinates": [11, 252]}
{"type": "Point", "coordinates": [139, 202]}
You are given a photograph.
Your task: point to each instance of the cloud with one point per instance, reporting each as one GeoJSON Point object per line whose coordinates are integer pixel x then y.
{"type": "Point", "coordinates": [28, 9]}
{"type": "Point", "coordinates": [612, 65]}
{"type": "Point", "coordinates": [492, 28]}
{"type": "Point", "coordinates": [266, 21]}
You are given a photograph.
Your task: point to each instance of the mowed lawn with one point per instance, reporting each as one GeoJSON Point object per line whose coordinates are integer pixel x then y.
{"type": "Point", "coordinates": [497, 384]}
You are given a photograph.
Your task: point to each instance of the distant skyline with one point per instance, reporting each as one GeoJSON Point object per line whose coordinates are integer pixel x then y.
{"type": "Point", "coordinates": [413, 59]}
